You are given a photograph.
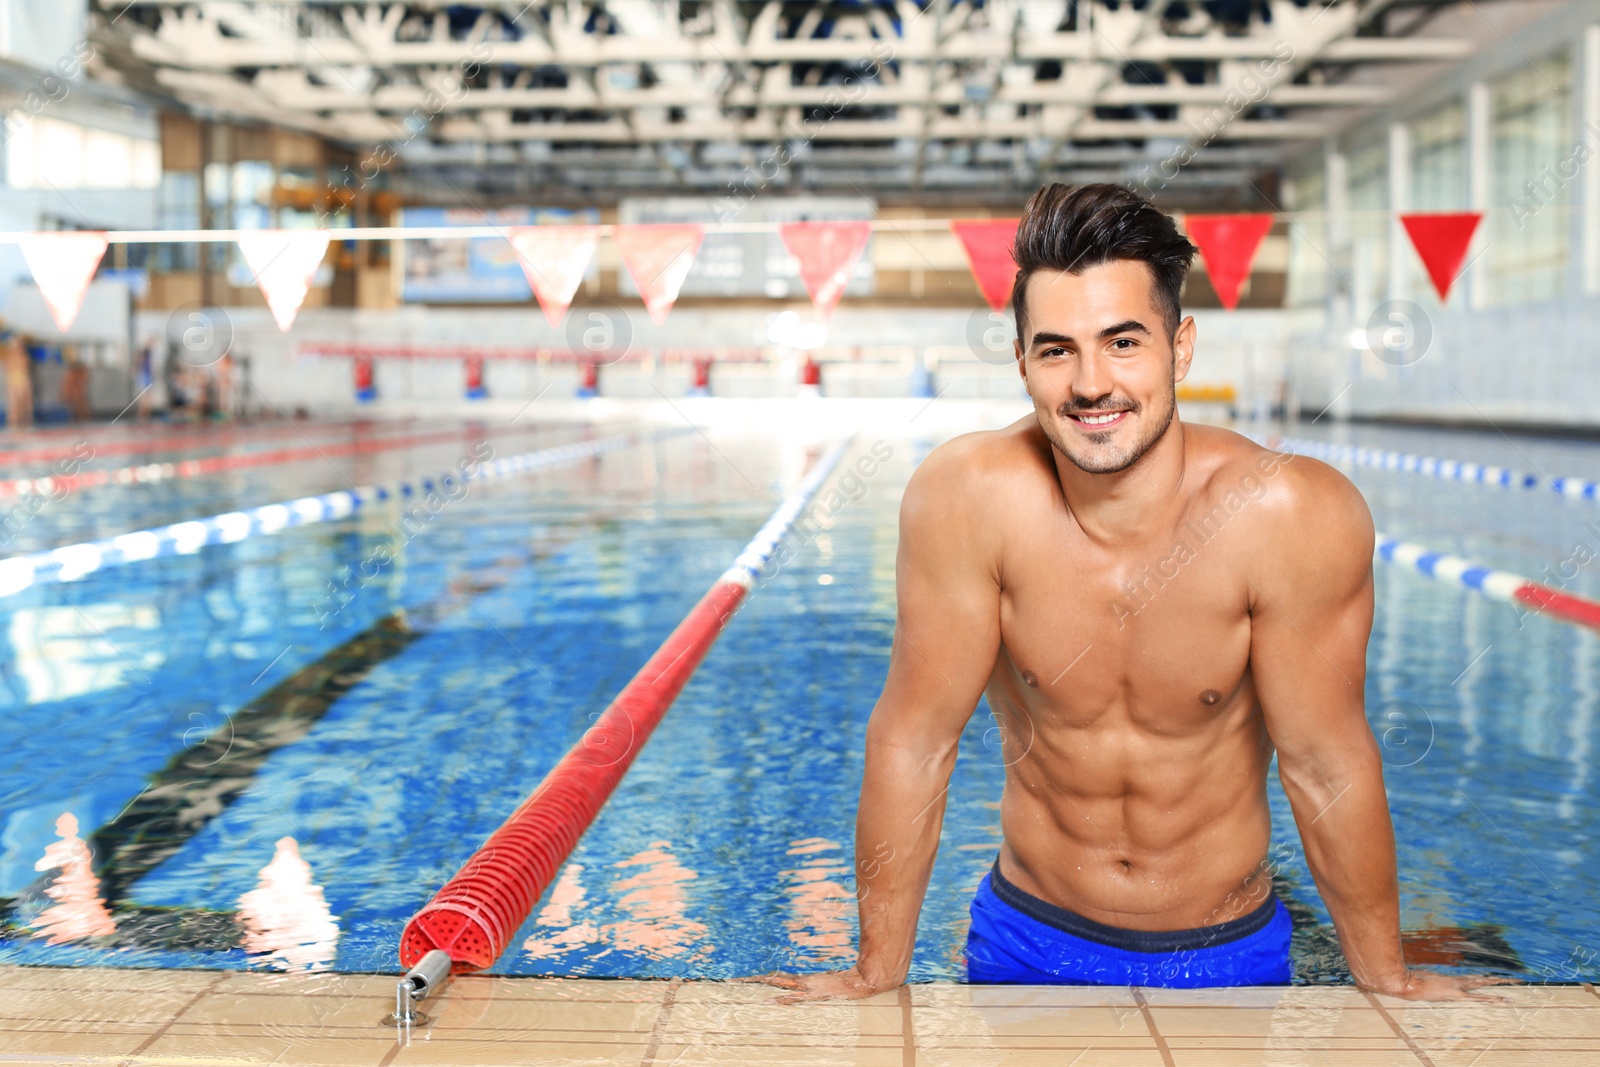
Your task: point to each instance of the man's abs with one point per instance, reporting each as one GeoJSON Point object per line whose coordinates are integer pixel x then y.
{"type": "Point", "coordinates": [1182, 847]}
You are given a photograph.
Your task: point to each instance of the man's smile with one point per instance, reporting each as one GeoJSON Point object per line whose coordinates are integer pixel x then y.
{"type": "Point", "coordinates": [1098, 420]}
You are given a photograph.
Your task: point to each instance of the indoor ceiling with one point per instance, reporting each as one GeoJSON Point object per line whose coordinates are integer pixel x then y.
{"type": "Point", "coordinates": [938, 99]}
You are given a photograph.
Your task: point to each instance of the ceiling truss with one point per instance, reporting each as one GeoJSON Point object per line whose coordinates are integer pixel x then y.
{"type": "Point", "coordinates": [889, 96]}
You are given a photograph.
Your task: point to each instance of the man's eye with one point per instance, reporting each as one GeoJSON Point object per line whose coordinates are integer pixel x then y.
{"type": "Point", "coordinates": [1054, 352]}
{"type": "Point", "coordinates": [1124, 341]}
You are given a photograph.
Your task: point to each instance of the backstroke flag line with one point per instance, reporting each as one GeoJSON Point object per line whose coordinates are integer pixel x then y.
{"type": "Point", "coordinates": [987, 243]}
{"type": "Point", "coordinates": [555, 259]}
{"type": "Point", "coordinates": [1229, 244]}
{"type": "Point", "coordinates": [63, 265]}
{"type": "Point", "coordinates": [284, 262]}
{"type": "Point", "coordinates": [828, 253]}
{"type": "Point", "coordinates": [658, 258]}
{"type": "Point", "coordinates": [1441, 240]}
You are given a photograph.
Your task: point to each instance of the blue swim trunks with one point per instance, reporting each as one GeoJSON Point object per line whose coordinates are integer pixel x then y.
{"type": "Point", "coordinates": [1018, 938]}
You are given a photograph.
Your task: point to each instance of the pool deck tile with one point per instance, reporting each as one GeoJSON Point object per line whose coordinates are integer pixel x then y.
{"type": "Point", "coordinates": [171, 1050]}
{"type": "Point", "coordinates": [146, 1018]}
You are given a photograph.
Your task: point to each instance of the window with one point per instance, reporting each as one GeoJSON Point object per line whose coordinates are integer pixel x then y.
{"type": "Point", "coordinates": [52, 154]}
{"type": "Point", "coordinates": [1369, 227]}
{"type": "Point", "coordinates": [1308, 263]}
{"type": "Point", "coordinates": [1532, 136]}
{"type": "Point", "coordinates": [1438, 183]}
{"type": "Point", "coordinates": [177, 208]}
{"type": "Point", "coordinates": [1439, 160]}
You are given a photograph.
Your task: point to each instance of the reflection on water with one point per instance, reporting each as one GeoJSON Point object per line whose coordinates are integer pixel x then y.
{"type": "Point", "coordinates": [78, 911]}
{"type": "Point", "coordinates": [565, 896]}
{"type": "Point", "coordinates": [820, 908]}
{"type": "Point", "coordinates": [287, 923]}
{"type": "Point", "coordinates": [653, 899]}
{"type": "Point", "coordinates": [656, 903]}
{"type": "Point", "coordinates": [64, 652]}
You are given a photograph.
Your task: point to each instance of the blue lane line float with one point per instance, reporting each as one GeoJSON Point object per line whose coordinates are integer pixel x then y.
{"type": "Point", "coordinates": [1450, 470]}
{"type": "Point", "coordinates": [1492, 583]}
{"type": "Point", "coordinates": [71, 562]}
{"type": "Point", "coordinates": [1496, 584]}
{"type": "Point", "coordinates": [747, 566]}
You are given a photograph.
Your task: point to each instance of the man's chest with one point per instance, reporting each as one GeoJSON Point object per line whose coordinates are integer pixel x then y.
{"type": "Point", "coordinates": [1165, 625]}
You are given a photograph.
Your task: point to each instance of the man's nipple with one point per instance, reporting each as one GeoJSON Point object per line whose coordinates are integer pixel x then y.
{"type": "Point", "coordinates": [1209, 697]}
{"type": "Point", "coordinates": [1031, 678]}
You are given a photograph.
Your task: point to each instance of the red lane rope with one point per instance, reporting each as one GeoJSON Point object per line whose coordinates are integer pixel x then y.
{"type": "Point", "coordinates": [544, 353]}
{"type": "Point", "coordinates": [1561, 605]}
{"type": "Point", "coordinates": [192, 468]}
{"type": "Point", "coordinates": [179, 442]}
{"type": "Point", "coordinates": [476, 914]}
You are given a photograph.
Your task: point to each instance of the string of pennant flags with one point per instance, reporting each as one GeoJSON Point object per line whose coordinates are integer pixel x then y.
{"type": "Point", "coordinates": [658, 256]}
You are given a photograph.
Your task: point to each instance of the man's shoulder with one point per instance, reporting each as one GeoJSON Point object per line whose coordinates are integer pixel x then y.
{"type": "Point", "coordinates": [974, 473]}
{"type": "Point", "coordinates": [985, 460]}
{"type": "Point", "coordinates": [1235, 461]}
{"type": "Point", "coordinates": [1294, 500]}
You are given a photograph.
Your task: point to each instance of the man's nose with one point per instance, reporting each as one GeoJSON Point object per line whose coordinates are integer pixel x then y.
{"type": "Point", "coordinates": [1093, 380]}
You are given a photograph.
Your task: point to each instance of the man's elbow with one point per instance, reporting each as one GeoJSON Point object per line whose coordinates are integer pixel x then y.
{"type": "Point", "coordinates": [910, 752]}
{"type": "Point", "coordinates": [1328, 772]}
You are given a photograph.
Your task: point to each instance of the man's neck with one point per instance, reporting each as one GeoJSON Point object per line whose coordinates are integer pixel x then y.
{"type": "Point", "coordinates": [1132, 503]}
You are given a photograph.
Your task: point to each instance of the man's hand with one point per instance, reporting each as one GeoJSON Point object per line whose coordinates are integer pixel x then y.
{"type": "Point", "coordinates": [829, 985]}
{"type": "Point", "coordinates": [1426, 985]}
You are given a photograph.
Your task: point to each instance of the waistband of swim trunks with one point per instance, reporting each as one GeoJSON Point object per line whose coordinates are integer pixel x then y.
{"type": "Point", "coordinates": [1131, 940]}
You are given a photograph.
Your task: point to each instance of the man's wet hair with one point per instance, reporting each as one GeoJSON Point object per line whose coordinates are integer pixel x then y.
{"type": "Point", "coordinates": [1072, 228]}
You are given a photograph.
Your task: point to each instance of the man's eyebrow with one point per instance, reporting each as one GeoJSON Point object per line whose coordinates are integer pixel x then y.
{"type": "Point", "coordinates": [1131, 326]}
{"type": "Point", "coordinates": [1045, 337]}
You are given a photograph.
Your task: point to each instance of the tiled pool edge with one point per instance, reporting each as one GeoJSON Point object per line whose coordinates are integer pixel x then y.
{"type": "Point", "coordinates": [141, 1018]}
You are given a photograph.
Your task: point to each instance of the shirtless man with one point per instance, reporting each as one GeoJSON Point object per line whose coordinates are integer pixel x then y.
{"type": "Point", "coordinates": [1153, 610]}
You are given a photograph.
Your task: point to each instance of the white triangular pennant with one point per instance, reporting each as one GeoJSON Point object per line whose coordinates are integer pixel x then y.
{"type": "Point", "coordinates": [284, 262]}
{"type": "Point", "coordinates": [63, 265]}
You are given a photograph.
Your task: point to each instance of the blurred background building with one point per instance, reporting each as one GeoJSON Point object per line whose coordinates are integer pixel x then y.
{"type": "Point", "coordinates": [1334, 117]}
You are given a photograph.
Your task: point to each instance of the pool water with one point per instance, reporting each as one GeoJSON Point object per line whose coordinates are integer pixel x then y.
{"type": "Point", "coordinates": [265, 782]}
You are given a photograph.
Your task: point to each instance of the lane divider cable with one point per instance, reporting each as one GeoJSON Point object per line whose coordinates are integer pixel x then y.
{"type": "Point", "coordinates": [1450, 470]}
{"type": "Point", "coordinates": [476, 913]}
{"type": "Point", "coordinates": [198, 466]}
{"type": "Point", "coordinates": [1495, 584]}
{"type": "Point", "coordinates": [72, 562]}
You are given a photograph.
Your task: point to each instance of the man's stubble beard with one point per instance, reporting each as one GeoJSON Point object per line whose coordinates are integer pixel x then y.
{"type": "Point", "coordinates": [1116, 462]}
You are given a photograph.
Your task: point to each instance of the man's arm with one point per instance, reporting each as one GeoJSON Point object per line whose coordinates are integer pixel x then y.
{"type": "Point", "coordinates": [946, 639]}
{"type": "Point", "coordinates": [1311, 615]}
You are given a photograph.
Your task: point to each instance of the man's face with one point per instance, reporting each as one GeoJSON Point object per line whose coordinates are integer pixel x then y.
{"type": "Point", "coordinates": [1099, 364]}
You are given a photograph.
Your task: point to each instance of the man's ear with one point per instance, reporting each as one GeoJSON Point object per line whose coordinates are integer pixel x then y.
{"type": "Point", "coordinates": [1022, 364]}
{"type": "Point", "coordinates": [1183, 349]}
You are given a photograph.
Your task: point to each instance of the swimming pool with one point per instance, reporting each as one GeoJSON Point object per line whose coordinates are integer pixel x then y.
{"type": "Point", "coordinates": [240, 750]}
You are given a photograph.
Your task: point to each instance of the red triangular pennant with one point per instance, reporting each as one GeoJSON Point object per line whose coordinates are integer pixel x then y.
{"type": "Point", "coordinates": [827, 252]}
{"type": "Point", "coordinates": [1442, 239]}
{"type": "Point", "coordinates": [658, 258]}
{"type": "Point", "coordinates": [555, 259]}
{"type": "Point", "coordinates": [1228, 243]}
{"type": "Point", "coordinates": [988, 246]}
{"type": "Point", "coordinates": [63, 265]}
{"type": "Point", "coordinates": [284, 263]}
